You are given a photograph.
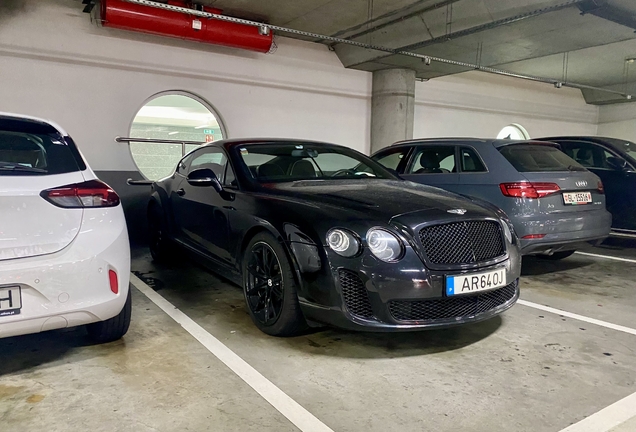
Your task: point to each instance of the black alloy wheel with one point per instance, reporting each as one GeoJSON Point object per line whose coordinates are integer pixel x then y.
{"type": "Point", "coordinates": [270, 288]}
{"type": "Point", "coordinates": [264, 287]}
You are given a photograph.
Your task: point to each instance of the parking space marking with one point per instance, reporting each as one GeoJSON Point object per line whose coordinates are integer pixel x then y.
{"type": "Point", "coordinates": [607, 418]}
{"type": "Point", "coordinates": [607, 257]}
{"type": "Point", "coordinates": [292, 410]}
{"type": "Point", "coordinates": [619, 412]}
{"type": "Point", "coordinates": [578, 317]}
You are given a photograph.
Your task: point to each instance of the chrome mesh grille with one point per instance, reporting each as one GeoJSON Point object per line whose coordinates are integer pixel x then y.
{"type": "Point", "coordinates": [451, 307]}
{"type": "Point", "coordinates": [466, 242]}
{"type": "Point", "coordinates": [355, 294]}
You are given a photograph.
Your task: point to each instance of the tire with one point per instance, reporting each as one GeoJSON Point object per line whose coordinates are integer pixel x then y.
{"type": "Point", "coordinates": [114, 328]}
{"type": "Point", "coordinates": [556, 256]}
{"type": "Point", "coordinates": [270, 288]}
{"type": "Point", "coordinates": [160, 247]}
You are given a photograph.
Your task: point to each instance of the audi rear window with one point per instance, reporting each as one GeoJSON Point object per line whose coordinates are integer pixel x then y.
{"type": "Point", "coordinates": [30, 148]}
{"type": "Point", "coordinates": [539, 158]}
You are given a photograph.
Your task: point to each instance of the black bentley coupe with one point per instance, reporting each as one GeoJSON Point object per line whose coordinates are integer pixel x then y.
{"type": "Point", "coordinates": [319, 233]}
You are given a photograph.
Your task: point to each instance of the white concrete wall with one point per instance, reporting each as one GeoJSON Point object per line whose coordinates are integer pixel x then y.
{"type": "Point", "coordinates": [480, 105]}
{"type": "Point", "coordinates": [618, 121]}
{"type": "Point", "coordinates": [55, 63]}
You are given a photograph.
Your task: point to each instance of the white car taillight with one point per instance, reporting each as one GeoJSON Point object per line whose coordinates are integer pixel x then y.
{"type": "Point", "coordinates": [92, 193]}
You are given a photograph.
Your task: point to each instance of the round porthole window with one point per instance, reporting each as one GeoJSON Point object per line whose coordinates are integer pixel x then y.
{"type": "Point", "coordinates": [175, 119]}
{"type": "Point", "coordinates": [513, 132]}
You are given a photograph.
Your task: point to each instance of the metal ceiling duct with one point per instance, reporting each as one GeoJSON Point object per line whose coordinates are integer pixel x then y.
{"type": "Point", "coordinates": [175, 23]}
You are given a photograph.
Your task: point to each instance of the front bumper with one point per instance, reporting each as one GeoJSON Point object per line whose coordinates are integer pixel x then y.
{"type": "Point", "coordinates": [378, 296]}
{"type": "Point", "coordinates": [344, 319]}
{"type": "Point", "coordinates": [71, 287]}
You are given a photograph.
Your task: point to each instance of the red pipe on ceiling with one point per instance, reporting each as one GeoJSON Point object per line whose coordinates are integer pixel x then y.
{"type": "Point", "coordinates": [129, 16]}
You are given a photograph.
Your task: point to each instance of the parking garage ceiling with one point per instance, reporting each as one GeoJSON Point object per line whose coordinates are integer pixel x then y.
{"type": "Point", "coordinates": [590, 42]}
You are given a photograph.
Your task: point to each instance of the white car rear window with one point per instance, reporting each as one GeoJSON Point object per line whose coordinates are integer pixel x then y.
{"type": "Point", "coordinates": [34, 149]}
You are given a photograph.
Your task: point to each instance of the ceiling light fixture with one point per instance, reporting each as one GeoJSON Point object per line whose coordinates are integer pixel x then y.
{"type": "Point", "coordinates": [172, 133]}
{"type": "Point", "coordinates": [201, 127]}
{"type": "Point", "coordinates": [630, 60]}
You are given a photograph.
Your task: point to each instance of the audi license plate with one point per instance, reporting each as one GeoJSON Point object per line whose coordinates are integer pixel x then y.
{"type": "Point", "coordinates": [10, 300]}
{"type": "Point", "coordinates": [577, 198]}
{"type": "Point", "coordinates": [470, 283]}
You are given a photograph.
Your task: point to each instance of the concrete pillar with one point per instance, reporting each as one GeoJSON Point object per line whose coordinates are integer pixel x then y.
{"type": "Point", "coordinates": [392, 107]}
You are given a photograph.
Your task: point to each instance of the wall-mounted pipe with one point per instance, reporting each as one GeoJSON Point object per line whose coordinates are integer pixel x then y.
{"type": "Point", "coordinates": [427, 59]}
{"type": "Point", "coordinates": [176, 23]}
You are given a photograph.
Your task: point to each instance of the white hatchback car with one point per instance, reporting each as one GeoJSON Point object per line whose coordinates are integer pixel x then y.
{"type": "Point", "coordinates": [64, 251]}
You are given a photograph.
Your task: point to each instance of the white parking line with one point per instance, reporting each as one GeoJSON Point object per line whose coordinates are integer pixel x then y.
{"type": "Point", "coordinates": [292, 410]}
{"type": "Point", "coordinates": [619, 412]}
{"type": "Point", "coordinates": [607, 418]}
{"type": "Point", "coordinates": [578, 317]}
{"type": "Point", "coordinates": [607, 257]}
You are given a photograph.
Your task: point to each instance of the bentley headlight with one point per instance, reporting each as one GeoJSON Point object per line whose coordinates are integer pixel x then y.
{"type": "Point", "coordinates": [343, 242]}
{"type": "Point", "coordinates": [384, 245]}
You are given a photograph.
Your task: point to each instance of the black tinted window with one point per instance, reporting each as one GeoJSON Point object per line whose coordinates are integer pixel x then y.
{"type": "Point", "coordinates": [588, 154]}
{"type": "Point", "coordinates": [213, 159]}
{"type": "Point", "coordinates": [392, 159]}
{"type": "Point", "coordinates": [470, 161]}
{"type": "Point", "coordinates": [539, 158]}
{"type": "Point", "coordinates": [287, 162]}
{"type": "Point", "coordinates": [26, 153]}
{"type": "Point", "coordinates": [433, 160]}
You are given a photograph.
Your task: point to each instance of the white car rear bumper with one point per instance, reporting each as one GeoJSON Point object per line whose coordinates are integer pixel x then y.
{"type": "Point", "coordinates": [71, 287]}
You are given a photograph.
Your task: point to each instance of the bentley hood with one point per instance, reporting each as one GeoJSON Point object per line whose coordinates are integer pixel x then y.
{"type": "Point", "coordinates": [381, 200]}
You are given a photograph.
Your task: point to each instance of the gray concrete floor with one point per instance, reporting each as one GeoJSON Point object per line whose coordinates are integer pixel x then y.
{"type": "Point", "coordinates": [526, 370]}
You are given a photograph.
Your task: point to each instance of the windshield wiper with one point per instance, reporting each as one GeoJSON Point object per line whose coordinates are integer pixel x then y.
{"type": "Point", "coordinates": [575, 168]}
{"type": "Point", "coordinates": [4, 166]}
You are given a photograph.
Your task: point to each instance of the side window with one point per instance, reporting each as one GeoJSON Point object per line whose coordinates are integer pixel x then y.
{"type": "Point", "coordinates": [470, 161]}
{"type": "Point", "coordinates": [592, 155]}
{"type": "Point", "coordinates": [392, 159]}
{"type": "Point", "coordinates": [182, 166]}
{"type": "Point", "coordinates": [615, 162]}
{"type": "Point", "coordinates": [212, 158]}
{"type": "Point", "coordinates": [433, 160]}
{"type": "Point", "coordinates": [568, 148]}
{"type": "Point", "coordinates": [587, 154]}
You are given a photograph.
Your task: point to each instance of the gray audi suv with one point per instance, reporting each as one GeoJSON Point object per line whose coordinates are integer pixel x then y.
{"type": "Point", "coordinates": [556, 205]}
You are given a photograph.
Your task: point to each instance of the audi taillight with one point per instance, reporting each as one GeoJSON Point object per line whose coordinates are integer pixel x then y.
{"type": "Point", "coordinates": [89, 194]}
{"type": "Point", "coordinates": [600, 187]}
{"type": "Point", "coordinates": [528, 190]}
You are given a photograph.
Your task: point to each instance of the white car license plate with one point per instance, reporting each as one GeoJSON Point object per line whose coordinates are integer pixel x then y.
{"type": "Point", "coordinates": [10, 300]}
{"type": "Point", "coordinates": [470, 283]}
{"type": "Point", "coordinates": [577, 198]}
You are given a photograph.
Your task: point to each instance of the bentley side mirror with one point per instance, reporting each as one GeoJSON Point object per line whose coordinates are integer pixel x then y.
{"type": "Point", "coordinates": [204, 177]}
{"type": "Point", "coordinates": [617, 163]}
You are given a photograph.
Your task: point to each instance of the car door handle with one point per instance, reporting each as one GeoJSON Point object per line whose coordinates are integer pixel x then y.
{"type": "Point", "coordinates": [181, 192]}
